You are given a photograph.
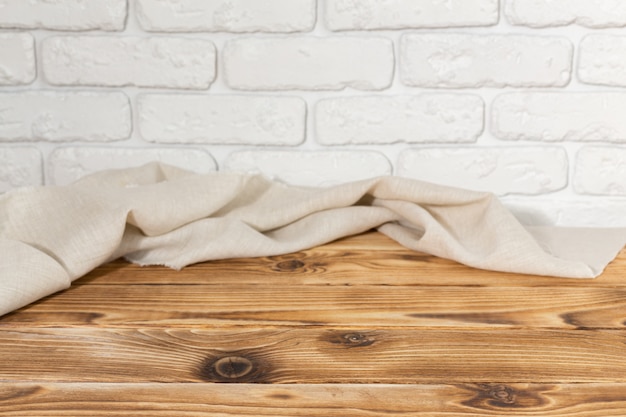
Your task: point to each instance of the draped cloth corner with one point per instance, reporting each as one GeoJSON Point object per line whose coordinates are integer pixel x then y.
{"type": "Point", "coordinates": [161, 215]}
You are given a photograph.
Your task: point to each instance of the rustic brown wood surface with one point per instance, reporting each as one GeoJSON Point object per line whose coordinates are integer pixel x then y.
{"type": "Point", "coordinates": [359, 327]}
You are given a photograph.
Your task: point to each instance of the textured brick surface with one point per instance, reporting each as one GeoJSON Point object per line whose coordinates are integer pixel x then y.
{"type": "Point", "coordinates": [68, 164]}
{"type": "Point", "coordinates": [504, 95]}
{"type": "Point", "coordinates": [63, 14]}
{"type": "Point", "coordinates": [399, 14]}
{"type": "Point", "coordinates": [516, 170]}
{"type": "Point", "coordinates": [560, 116]}
{"type": "Point", "coordinates": [17, 59]}
{"type": "Point", "coordinates": [20, 167]}
{"type": "Point", "coordinates": [253, 120]}
{"type": "Point", "coordinates": [462, 60]}
{"type": "Point", "coordinates": [601, 170]}
{"type": "Point", "coordinates": [546, 13]}
{"type": "Point", "coordinates": [119, 61]}
{"type": "Point", "coordinates": [64, 116]}
{"type": "Point", "coordinates": [602, 60]}
{"type": "Point", "coordinates": [419, 118]}
{"type": "Point", "coordinates": [310, 63]}
{"type": "Point", "coordinates": [226, 15]}
{"type": "Point", "coordinates": [321, 168]}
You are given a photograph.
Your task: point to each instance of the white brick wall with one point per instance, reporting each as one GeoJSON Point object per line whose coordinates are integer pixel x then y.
{"type": "Point", "coordinates": [20, 167]}
{"type": "Point", "coordinates": [67, 164]}
{"type": "Point", "coordinates": [518, 170]}
{"type": "Point", "coordinates": [405, 14]}
{"type": "Point", "coordinates": [462, 60]}
{"type": "Point", "coordinates": [226, 15]}
{"type": "Point", "coordinates": [549, 13]}
{"type": "Point", "coordinates": [17, 58]}
{"type": "Point", "coordinates": [318, 169]}
{"type": "Point", "coordinates": [411, 119]}
{"type": "Point", "coordinates": [601, 170]}
{"type": "Point", "coordinates": [524, 98]}
{"type": "Point", "coordinates": [602, 60]}
{"type": "Point", "coordinates": [136, 61]}
{"type": "Point", "coordinates": [560, 116]}
{"type": "Point", "coordinates": [64, 116]}
{"type": "Point", "coordinates": [309, 63]}
{"type": "Point", "coordinates": [67, 15]}
{"type": "Point", "coordinates": [220, 119]}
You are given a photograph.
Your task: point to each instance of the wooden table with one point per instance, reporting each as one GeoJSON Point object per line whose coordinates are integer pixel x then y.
{"type": "Point", "coordinates": [359, 327]}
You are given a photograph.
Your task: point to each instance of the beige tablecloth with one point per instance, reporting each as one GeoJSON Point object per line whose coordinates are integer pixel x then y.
{"type": "Point", "coordinates": [157, 214]}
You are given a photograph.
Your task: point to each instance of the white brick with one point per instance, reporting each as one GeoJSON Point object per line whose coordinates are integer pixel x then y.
{"type": "Point", "coordinates": [412, 119]}
{"type": "Point", "coordinates": [316, 169]}
{"type": "Point", "coordinates": [309, 63]}
{"type": "Point", "coordinates": [545, 13]}
{"type": "Point", "coordinates": [20, 167]}
{"type": "Point", "coordinates": [226, 15]}
{"type": "Point", "coordinates": [120, 61]}
{"type": "Point", "coordinates": [63, 14]}
{"type": "Point", "coordinates": [17, 59]}
{"type": "Point", "coordinates": [53, 116]}
{"type": "Point", "coordinates": [462, 60]}
{"type": "Point", "coordinates": [254, 120]}
{"type": "Point", "coordinates": [66, 165]}
{"type": "Point", "coordinates": [560, 116]}
{"type": "Point", "coordinates": [517, 170]}
{"type": "Point", "coordinates": [401, 14]}
{"type": "Point", "coordinates": [601, 170]}
{"type": "Point", "coordinates": [602, 60]}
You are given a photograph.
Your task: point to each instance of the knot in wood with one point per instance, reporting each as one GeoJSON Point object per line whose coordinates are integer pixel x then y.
{"type": "Point", "coordinates": [500, 396]}
{"type": "Point", "coordinates": [503, 394]}
{"type": "Point", "coordinates": [350, 340]}
{"type": "Point", "coordinates": [290, 265]}
{"type": "Point", "coordinates": [233, 367]}
{"type": "Point", "coordinates": [355, 338]}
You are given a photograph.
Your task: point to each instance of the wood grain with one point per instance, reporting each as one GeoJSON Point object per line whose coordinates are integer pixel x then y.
{"type": "Point", "coordinates": [236, 304]}
{"type": "Point", "coordinates": [346, 400]}
{"type": "Point", "coordinates": [312, 355]}
{"type": "Point", "coordinates": [358, 327]}
{"type": "Point", "coordinates": [367, 259]}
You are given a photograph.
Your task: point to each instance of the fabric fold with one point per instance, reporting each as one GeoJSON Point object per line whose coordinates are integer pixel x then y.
{"type": "Point", "coordinates": [158, 214]}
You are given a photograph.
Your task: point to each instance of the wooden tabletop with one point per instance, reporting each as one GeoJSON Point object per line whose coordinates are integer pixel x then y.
{"type": "Point", "coordinates": [358, 327]}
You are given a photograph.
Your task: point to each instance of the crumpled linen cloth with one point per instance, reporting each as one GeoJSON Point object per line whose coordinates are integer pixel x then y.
{"type": "Point", "coordinates": [158, 214]}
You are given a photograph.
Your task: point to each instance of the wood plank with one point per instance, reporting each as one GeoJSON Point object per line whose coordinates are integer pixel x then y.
{"type": "Point", "coordinates": [363, 305]}
{"type": "Point", "coordinates": [358, 327]}
{"type": "Point", "coordinates": [370, 258]}
{"type": "Point", "coordinates": [312, 356]}
{"type": "Point", "coordinates": [238, 400]}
